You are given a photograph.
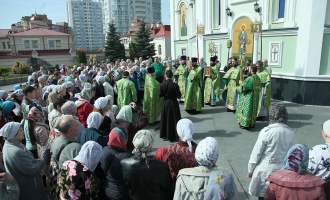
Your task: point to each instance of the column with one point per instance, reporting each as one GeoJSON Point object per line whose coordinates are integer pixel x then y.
{"type": "Point", "coordinates": [265, 14]}
{"type": "Point", "coordinates": [177, 25]}
{"type": "Point", "coordinates": [310, 37]}
{"type": "Point", "coordinates": [290, 14]}
{"type": "Point", "coordinates": [208, 18]}
{"type": "Point", "coordinates": [255, 47]}
{"type": "Point", "coordinates": [174, 23]}
{"type": "Point", "coordinates": [224, 17]}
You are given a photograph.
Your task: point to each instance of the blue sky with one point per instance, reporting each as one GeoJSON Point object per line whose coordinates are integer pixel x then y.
{"type": "Point", "coordinates": [13, 10]}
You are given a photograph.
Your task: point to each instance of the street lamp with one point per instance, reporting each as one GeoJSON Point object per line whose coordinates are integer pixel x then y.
{"type": "Point", "coordinates": [256, 7]}
{"type": "Point", "coordinates": [228, 12]}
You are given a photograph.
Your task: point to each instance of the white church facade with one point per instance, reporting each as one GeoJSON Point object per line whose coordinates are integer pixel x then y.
{"type": "Point", "coordinates": [294, 37]}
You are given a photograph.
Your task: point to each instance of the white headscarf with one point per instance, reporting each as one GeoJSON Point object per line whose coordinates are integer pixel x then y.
{"type": "Point", "coordinates": [100, 80]}
{"type": "Point", "coordinates": [2, 92]}
{"type": "Point", "coordinates": [9, 130]}
{"type": "Point", "coordinates": [101, 102]}
{"type": "Point", "coordinates": [94, 120]}
{"type": "Point", "coordinates": [207, 152]}
{"type": "Point", "coordinates": [185, 129]}
{"type": "Point", "coordinates": [142, 141]}
{"type": "Point", "coordinates": [125, 114]}
{"type": "Point", "coordinates": [90, 154]}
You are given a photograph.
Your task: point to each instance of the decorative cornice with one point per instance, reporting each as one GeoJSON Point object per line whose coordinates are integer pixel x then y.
{"type": "Point", "coordinates": [280, 31]}
{"type": "Point", "coordinates": [180, 41]}
{"type": "Point", "coordinates": [322, 78]}
{"type": "Point", "coordinates": [216, 36]}
{"type": "Point", "coordinates": [237, 2]}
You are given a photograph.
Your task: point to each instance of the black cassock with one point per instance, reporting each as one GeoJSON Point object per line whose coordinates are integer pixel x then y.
{"type": "Point", "coordinates": [171, 111]}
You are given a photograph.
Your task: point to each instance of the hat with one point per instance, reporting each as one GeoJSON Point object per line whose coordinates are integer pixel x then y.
{"type": "Point", "coordinates": [9, 130]}
{"type": "Point", "coordinates": [212, 59]}
{"type": "Point", "coordinates": [16, 87]}
{"type": "Point", "coordinates": [183, 57]}
{"type": "Point", "coordinates": [19, 92]}
{"type": "Point", "coordinates": [193, 59]}
{"type": "Point", "coordinates": [151, 70]}
{"type": "Point", "coordinates": [326, 128]}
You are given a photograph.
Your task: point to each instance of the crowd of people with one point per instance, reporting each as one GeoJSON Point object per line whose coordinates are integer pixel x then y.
{"type": "Point", "coordinates": [78, 133]}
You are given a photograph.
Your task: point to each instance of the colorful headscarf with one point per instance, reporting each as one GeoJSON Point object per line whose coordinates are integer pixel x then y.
{"type": "Point", "coordinates": [297, 159]}
{"type": "Point", "coordinates": [30, 78]}
{"type": "Point", "coordinates": [207, 152]}
{"type": "Point", "coordinates": [90, 154]}
{"type": "Point", "coordinates": [125, 114]}
{"type": "Point", "coordinates": [86, 94]}
{"type": "Point", "coordinates": [94, 120]}
{"type": "Point", "coordinates": [9, 130]}
{"type": "Point", "coordinates": [69, 108]}
{"type": "Point", "coordinates": [35, 115]}
{"type": "Point", "coordinates": [221, 185]}
{"type": "Point", "coordinates": [101, 102]}
{"type": "Point", "coordinates": [117, 138]}
{"type": "Point", "coordinates": [7, 106]}
{"type": "Point", "coordinates": [142, 141]}
{"type": "Point", "coordinates": [185, 129]}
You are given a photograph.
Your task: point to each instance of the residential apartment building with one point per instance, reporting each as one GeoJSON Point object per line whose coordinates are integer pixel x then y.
{"type": "Point", "coordinates": [122, 12]}
{"type": "Point", "coordinates": [85, 18]}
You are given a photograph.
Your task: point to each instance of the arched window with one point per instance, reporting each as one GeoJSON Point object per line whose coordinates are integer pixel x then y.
{"type": "Point", "coordinates": [159, 49]}
{"type": "Point", "coordinates": [279, 9]}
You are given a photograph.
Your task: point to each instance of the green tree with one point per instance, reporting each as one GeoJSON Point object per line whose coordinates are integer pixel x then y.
{"type": "Point", "coordinates": [113, 48]}
{"type": "Point", "coordinates": [81, 56]}
{"type": "Point", "coordinates": [133, 52]}
{"type": "Point", "coordinates": [145, 49]}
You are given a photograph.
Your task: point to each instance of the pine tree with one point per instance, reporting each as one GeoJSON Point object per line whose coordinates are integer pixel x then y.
{"type": "Point", "coordinates": [144, 48]}
{"type": "Point", "coordinates": [81, 56]}
{"type": "Point", "coordinates": [133, 52]}
{"type": "Point", "coordinates": [113, 48]}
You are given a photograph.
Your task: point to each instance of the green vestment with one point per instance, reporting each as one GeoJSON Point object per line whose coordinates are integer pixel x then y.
{"type": "Point", "coordinates": [126, 92]}
{"type": "Point", "coordinates": [152, 104]}
{"type": "Point", "coordinates": [247, 108]}
{"type": "Point", "coordinates": [194, 93]}
{"type": "Point", "coordinates": [212, 84]}
{"type": "Point", "coordinates": [231, 79]}
{"type": "Point", "coordinates": [264, 100]}
{"type": "Point", "coordinates": [181, 78]}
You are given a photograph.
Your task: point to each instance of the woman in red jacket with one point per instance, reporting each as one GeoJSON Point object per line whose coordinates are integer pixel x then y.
{"type": "Point", "coordinates": [84, 108]}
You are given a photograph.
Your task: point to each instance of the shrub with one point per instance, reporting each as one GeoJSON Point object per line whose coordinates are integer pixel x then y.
{"type": "Point", "coordinates": [21, 68]}
{"type": "Point", "coordinates": [81, 57]}
{"type": "Point", "coordinates": [4, 71]}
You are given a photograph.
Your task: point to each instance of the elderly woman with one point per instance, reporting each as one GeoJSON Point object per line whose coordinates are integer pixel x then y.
{"type": "Point", "coordinates": [76, 179]}
{"type": "Point", "coordinates": [114, 185]}
{"type": "Point", "coordinates": [192, 182]}
{"type": "Point", "coordinates": [102, 105]}
{"type": "Point", "coordinates": [52, 97]}
{"type": "Point", "coordinates": [113, 108]}
{"type": "Point", "coordinates": [70, 108]}
{"type": "Point", "coordinates": [92, 133]}
{"type": "Point", "coordinates": [38, 135]}
{"type": "Point", "coordinates": [98, 87]}
{"type": "Point", "coordinates": [269, 150]}
{"type": "Point", "coordinates": [56, 112]}
{"type": "Point", "coordinates": [3, 96]}
{"type": "Point", "coordinates": [293, 181]}
{"type": "Point", "coordinates": [182, 154]}
{"type": "Point", "coordinates": [21, 164]}
{"type": "Point", "coordinates": [124, 121]}
{"type": "Point", "coordinates": [146, 176]}
{"type": "Point", "coordinates": [84, 108]}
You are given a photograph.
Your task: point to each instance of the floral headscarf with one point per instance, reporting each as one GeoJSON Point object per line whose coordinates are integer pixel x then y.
{"type": "Point", "coordinates": [35, 115]}
{"type": "Point", "coordinates": [142, 141]}
{"type": "Point", "coordinates": [90, 154]}
{"type": "Point", "coordinates": [297, 159]}
{"type": "Point", "coordinates": [207, 152]}
{"type": "Point", "coordinates": [69, 108]}
{"type": "Point", "coordinates": [86, 94]}
{"type": "Point", "coordinates": [117, 138]}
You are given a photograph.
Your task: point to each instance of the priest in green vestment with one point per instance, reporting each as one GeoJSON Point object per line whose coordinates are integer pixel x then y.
{"type": "Point", "coordinates": [181, 74]}
{"type": "Point", "coordinates": [231, 81]}
{"type": "Point", "coordinates": [212, 84]}
{"type": "Point", "coordinates": [264, 98]}
{"type": "Point", "coordinates": [249, 92]}
{"type": "Point", "coordinates": [126, 91]}
{"type": "Point", "coordinates": [152, 104]}
{"type": "Point", "coordinates": [195, 88]}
